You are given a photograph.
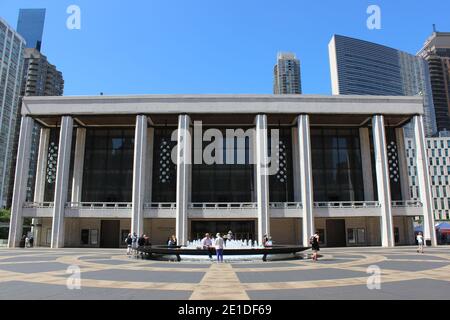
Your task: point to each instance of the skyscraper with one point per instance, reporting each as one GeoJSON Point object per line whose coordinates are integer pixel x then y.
{"type": "Point", "coordinates": [12, 47]}
{"type": "Point", "coordinates": [286, 75]}
{"type": "Point", "coordinates": [31, 26]}
{"type": "Point", "coordinates": [436, 51]}
{"type": "Point", "coordinates": [363, 68]}
{"type": "Point", "coordinates": [40, 78]}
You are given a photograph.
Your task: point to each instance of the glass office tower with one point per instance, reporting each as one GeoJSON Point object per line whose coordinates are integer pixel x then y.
{"type": "Point", "coordinates": [360, 67]}
{"type": "Point", "coordinates": [31, 26]}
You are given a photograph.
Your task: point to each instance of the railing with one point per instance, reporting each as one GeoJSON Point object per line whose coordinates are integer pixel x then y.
{"type": "Point", "coordinates": [233, 205]}
{"type": "Point", "coordinates": [285, 205]}
{"type": "Point", "coordinates": [39, 205]}
{"type": "Point", "coordinates": [348, 204]}
{"type": "Point", "coordinates": [99, 205]}
{"type": "Point", "coordinates": [407, 204]}
{"type": "Point", "coordinates": [160, 205]}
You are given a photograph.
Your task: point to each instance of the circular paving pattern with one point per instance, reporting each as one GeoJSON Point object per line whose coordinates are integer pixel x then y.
{"type": "Point", "coordinates": [339, 274]}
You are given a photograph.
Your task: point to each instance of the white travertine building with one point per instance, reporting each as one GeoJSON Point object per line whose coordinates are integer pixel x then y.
{"type": "Point", "coordinates": [112, 165]}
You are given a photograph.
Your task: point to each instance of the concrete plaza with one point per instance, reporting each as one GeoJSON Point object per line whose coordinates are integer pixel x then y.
{"type": "Point", "coordinates": [339, 274]}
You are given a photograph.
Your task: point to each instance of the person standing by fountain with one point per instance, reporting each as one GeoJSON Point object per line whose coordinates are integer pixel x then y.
{"type": "Point", "coordinates": [265, 239]}
{"type": "Point", "coordinates": [218, 244]}
{"type": "Point", "coordinates": [129, 242]}
{"type": "Point", "coordinates": [134, 244]}
{"type": "Point", "coordinates": [207, 244]}
{"type": "Point", "coordinates": [315, 245]}
{"type": "Point", "coordinates": [172, 241]}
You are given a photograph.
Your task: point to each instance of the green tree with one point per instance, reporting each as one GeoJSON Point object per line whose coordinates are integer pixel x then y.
{"type": "Point", "coordinates": [5, 215]}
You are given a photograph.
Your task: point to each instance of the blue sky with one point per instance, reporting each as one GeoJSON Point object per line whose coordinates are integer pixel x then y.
{"type": "Point", "coordinates": [213, 46]}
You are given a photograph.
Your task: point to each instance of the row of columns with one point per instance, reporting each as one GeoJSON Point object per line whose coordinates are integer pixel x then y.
{"type": "Point", "coordinates": [142, 184]}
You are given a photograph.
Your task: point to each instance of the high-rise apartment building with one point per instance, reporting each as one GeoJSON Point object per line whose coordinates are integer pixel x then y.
{"type": "Point", "coordinates": [12, 47]}
{"type": "Point", "coordinates": [286, 75]}
{"type": "Point", "coordinates": [437, 52]}
{"type": "Point", "coordinates": [31, 26]}
{"type": "Point", "coordinates": [40, 78]}
{"type": "Point", "coordinates": [363, 68]}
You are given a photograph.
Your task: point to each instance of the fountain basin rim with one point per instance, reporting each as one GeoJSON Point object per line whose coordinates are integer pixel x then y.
{"type": "Point", "coordinates": [179, 250]}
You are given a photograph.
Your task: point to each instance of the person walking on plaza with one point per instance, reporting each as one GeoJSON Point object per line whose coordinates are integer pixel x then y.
{"type": "Point", "coordinates": [420, 242]}
{"type": "Point", "coordinates": [218, 244]}
{"type": "Point", "coordinates": [314, 241]}
{"type": "Point", "coordinates": [129, 242]}
{"type": "Point", "coordinates": [207, 244]}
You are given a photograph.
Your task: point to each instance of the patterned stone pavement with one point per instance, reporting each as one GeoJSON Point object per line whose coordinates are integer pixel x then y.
{"type": "Point", "coordinates": [339, 274]}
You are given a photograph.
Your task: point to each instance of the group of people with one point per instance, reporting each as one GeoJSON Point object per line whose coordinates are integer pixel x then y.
{"type": "Point", "coordinates": [133, 242]}
{"type": "Point", "coordinates": [172, 241]}
{"type": "Point", "coordinates": [218, 245]}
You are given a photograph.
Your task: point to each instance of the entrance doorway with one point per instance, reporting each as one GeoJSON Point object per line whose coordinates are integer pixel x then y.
{"type": "Point", "coordinates": [241, 229]}
{"type": "Point", "coordinates": [110, 234]}
{"type": "Point", "coordinates": [336, 233]}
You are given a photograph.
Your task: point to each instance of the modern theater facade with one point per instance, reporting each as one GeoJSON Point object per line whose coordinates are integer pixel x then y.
{"type": "Point", "coordinates": [284, 166]}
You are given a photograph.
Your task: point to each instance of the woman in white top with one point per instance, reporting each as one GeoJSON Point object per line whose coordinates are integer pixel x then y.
{"type": "Point", "coordinates": [218, 244]}
{"type": "Point", "coordinates": [420, 242]}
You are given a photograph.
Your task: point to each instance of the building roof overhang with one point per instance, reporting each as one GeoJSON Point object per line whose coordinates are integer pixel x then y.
{"type": "Point", "coordinates": [222, 109]}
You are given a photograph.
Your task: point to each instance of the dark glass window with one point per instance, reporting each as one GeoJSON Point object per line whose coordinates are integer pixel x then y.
{"type": "Point", "coordinates": [227, 182]}
{"type": "Point", "coordinates": [281, 184]}
{"type": "Point", "coordinates": [72, 162]}
{"type": "Point", "coordinates": [164, 175]}
{"type": "Point", "coordinates": [374, 168]}
{"type": "Point", "coordinates": [337, 168]}
{"type": "Point", "coordinates": [108, 166]}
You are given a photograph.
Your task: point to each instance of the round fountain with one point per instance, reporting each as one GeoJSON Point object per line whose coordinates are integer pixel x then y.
{"type": "Point", "coordinates": [234, 250]}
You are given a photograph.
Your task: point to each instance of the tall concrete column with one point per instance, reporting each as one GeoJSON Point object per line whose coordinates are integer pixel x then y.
{"type": "Point", "coordinates": [383, 181]}
{"type": "Point", "coordinates": [20, 182]}
{"type": "Point", "coordinates": [62, 181]}
{"type": "Point", "coordinates": [139, 174]}
{"type": "Point", "coordinates": [78, 165]}
{"type": "Point", "coordinates": [262, 175]}
{"type": "Point", "coordinates": [366, 161]}
{"type": "Point", "coordinates": [424, 180]}
{"type": "Point", "coordinates": [403, 163]}
{"type": "Point", "coordinates": [296, 166]}
{"type": "Point", "coordinates": [39, 187]}
{"type": "Point", "coordinates": [304, 140]}
{"type": "Point", "coordinates": [184, 165]}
